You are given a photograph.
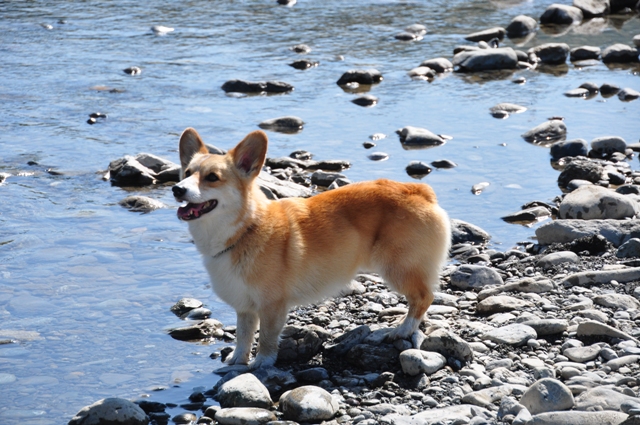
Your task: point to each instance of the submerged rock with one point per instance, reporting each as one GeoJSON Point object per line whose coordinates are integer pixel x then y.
{"type": "Point", "coordinates": [366, 100]}
{"type": "Point", "coordinates": [367, 77]}
{"type": "Point", "coordinates": [486, 59]}
{"type": "Point", "coordinates": [560, 14]}
{"type": "Point", "coordinates": [303, 64]}
{"type": "Point", "coordinates": [241, 86]}
{"type": "Point", "coordinates": [418, 138]}
{"type": "Point", "coordinates": [287, 124]}
{"type": "Point", "coordinates": [141, 204]}
{"type": "Point", "coordinates": [628, 94]}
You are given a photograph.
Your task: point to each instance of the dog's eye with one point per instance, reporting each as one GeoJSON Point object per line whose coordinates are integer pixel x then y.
{"type": "Point", "coordinates": [187, 173]}
{"type": "Point", "coordinates": [211, 177]}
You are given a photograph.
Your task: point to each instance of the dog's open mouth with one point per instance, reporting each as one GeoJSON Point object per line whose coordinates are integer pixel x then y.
{"type": "Point", "coordinates": [193, 211]}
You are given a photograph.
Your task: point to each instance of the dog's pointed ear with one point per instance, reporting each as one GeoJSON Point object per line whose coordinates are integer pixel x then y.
{"type": "Point", "coordinates": [249, 155]}
{"type": "Point", "coordinates": [190, 144]}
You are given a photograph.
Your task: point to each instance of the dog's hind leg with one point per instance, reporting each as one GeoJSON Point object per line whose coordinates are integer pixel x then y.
{"type": "Point", "coordinates": [245, 333]}
{"type": "Point", "coordinates": [417, 289]}
{"type": "Point", "coordinates": [271, 323]}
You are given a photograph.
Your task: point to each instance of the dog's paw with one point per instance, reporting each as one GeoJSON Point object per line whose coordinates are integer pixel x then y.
{"type": "Point", "coordinates": [262, 361]}
{"type": "Point", "coordinates": [238, 358]}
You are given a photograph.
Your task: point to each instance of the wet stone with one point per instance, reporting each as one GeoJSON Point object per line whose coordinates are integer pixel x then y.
{"type": "Point", "coordinates": [608, 145]}
{"type": "Point", "coordinates": [418, 138]}
{"type": "Point", "coordinates": [242, 86]}
{"type": "Point", "coordinates": [477, 188]}
{"type": "Point", "coordinates": [300, 48]}
{"type": "Point", "coordinates": [133, 70]}
{"type": "Point", "coordinates": [185, 305]}
{"type": "Point", "coordinates": [444, 164]}
{"type": "Point", "coordinates": [407, 36]}
{"type": "Point", "coordinates": [584, 53]}
{"type": "Point", "coordinates": [287, 124]}
{"type": "Point", "coordinates": [628, 94]}
{"type": "Point", "coordinates": [366, 100]}
{"type": "Point", "coordinates": [486, 60]}
{"type": "Point", "coordinates": [579, 92]}
{"type": "Point", "coordinates": [521, 26]}
{"type": "Point", "coordinates": [439, 65]}
{"type": "Point", "coordinates": [417, 29]}
{"type": "Point", "coordinates": [551, 53]}
{"type": "Point", "coordinates": [418, 169]}
{"type": "Point", "coordinates": [207, 328]}
{"type": "Point", "coordinates": [607, 89]}
{"type": "Point", "coordinates": [142, 204]}
{"type": "Point", "coordinates": [378, 156]}
{"type": "Point", "coordinates": [487, 35]}
{"type": "Point", "coordinates": [560, 14]}
{"type": "Point", "coordinates": [547, 132]}
{"type": "Point", "coordinates": [569, 148]}
{"type": "Point", "coordinates": [423, 72]}
{"type": "Point", "coordinates": [619, 53]}
{"type": "Point", "coordinates": [367, 77]}
{"type": "Point", "coordinates": [303, 64]}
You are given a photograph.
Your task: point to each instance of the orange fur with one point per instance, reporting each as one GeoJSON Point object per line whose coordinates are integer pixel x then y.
{"type": "Point", "coordinates": [266, 256]}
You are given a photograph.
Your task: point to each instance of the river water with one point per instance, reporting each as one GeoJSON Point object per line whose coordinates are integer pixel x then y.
{"type": "Point", "coordinates": [86, 286]}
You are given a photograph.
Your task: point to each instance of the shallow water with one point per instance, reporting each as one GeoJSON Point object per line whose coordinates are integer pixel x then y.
{"type": "Point", "coordinates": [86, 286]}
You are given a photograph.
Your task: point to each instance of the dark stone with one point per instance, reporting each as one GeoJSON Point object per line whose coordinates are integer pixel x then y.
{"type": "Point", "coordinates": [594, 244]}
{"type": "Point", "coordinates": [439, 65]}
{"type": "Point", "coordinates": [608, 90]}
{"type": "Point", "coordinates": [462, 232]}
{"type": "Point", "coordinates": [546, 132]}
{"type": "Point", "coordinates": [620, 5]}
{"type": "Point", "coordinates": [312, 375]}
{"type": "Point", "coordinates": [303, 64]}
{"type": "Point", "coordinates": [486, 60]}
{"type": "Point", "coordinates": [241, 86]}
{"type": "Point", "coordinates": [620, 53]}
{"type": "Point", "coordinates": [584, 53]}
{"type": "Point", "coordinates": [366, 100]}
{"type": "Point", "coordinates": [560, 14]}
{"type": "Point", "coordinates": [301, 343]}
{"type": "Point", "coordinates": [134, 70]}
{"type": "Point", "coordinates": [288, 124]}
{"type": "Point", "coordinates": [487, 35]}
{"type": "Point", "coordinates": [551, 53]}
{"type": "Point", "coordinates": [407, 36]}
{"type": "Point", "coordinates": [582, 170]}
{"type": "Point", "coordinates": [418, 169]}
{"type": "Point", "coordinates": [444, 163]}
{"type": "Point", "coordinates": [205, 329]}
{"type": "Point", "coordinates": [367, 77]}
{"type": "Point", "coordinates": [324, 179]}
{"type": "Point", "coordinates": [373, 357]}
{"type": "Point", "coordinates": [592, 87]}
{"type": "Point", "coordinates": [185, 305]}
{"type": "Point", "coordinates": [128, 171]}
{"type": "Point", "coordinates": [300, 48]}
{"type": "Point", "coordinates": [328, 165]}
{"type": "Point", "coordinates": [629, 189]}
{"type": "Point", "coordinates": [151, 406]}
{"type": "Point", "coordinates": [572, 148]}
{"type": "Point", "coordinates": [418, 138]}
{"type": "Point", "coordinates": [521, 26]}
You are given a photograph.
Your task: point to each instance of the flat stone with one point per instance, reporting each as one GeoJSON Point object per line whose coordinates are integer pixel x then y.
{"type": "Point", "coordinates": [415, 361]}
{"type": "Point", "coordinates": [501, 303]}
{"type": "Point", "coordinates": [547, 132]}
{"type": "Point", "coordinates": [528, 215]}
{"type": "Point", "coordinates": [287, 124]}
{"type": "Point", "coordinates": [582, 418]}
{"type": "Point", "coordinates": [563, 231]}
{"type": "Point", "coordinates": [486, 59]}
{"type": "Point", "coordinates": [583, 354]}
{"type": "Point", "coordinates": [487, 35]}
{"type": "Point", "coordinates": [324, 179]}
{"type": "Point", "coordinates": [591, 328]}
{"type": "Point", "coordinates": [516, 334]}
{"type": "Point", "coordinates": [282, 188]}
{"type": "Point", "coordinates": [546, 327]}
{"type": "Point", "coordinates": [596, 202]}
{"type": "Point", "coordinates": [521, 26]}
{"type": "Point", "coordinates": [418, 138]}
{"type": "Point", "coordinates": [547, 395]}
{"type": "Point", "coordinates": [308, 404]}
{"type": "Point", "coordinates": [471, 277]}
{"type": "Point", "coordinates": [617, 301]}
{"type": "Point", "coordinates": [619, 53]}
{"type": "Point", "coordinates": [439, 65]}
{"type": "Point", "coordinates": [560, 14]}
{"type": "Point", "coordinates": [487, 396]}
{"type": "Point", "coordinates": [557, 258]}
{"type": "Point", "coordinates": [616, 364]}
{"type": "Point", "coordinates": [602, 399]}
{"type": "Point", "coordinates": [204, 329]}
{"type": "Point", "coordinates": [551, 53]}
{"type": "Point", "coordinates": [582, 53]}
{"type": "Point", "coordinates": [360, 76]}
{"type": "Point", "coordinates": [244, 416]}
{"type": "Point", "coordinates": [579, 92]}
{"type": "Point", "coordinates": [628, 94]}
{"type": "Point", "coordinates": [511, 108]}
{"type": "Point", "coordinates": [432, 416]}
{"type": "Point", "coordinates": [241, 86]}
{"type": "Point", "coordinates": [111, 411]}
{"type": "Point", "coordinates": [600, 277]}
{"type": "Point", "coordinates": [244, 391]}
{"type": "Point", "coordinates": [448, 344]}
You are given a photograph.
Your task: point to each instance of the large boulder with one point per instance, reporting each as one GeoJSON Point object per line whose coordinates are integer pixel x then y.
{"type": "Point", "coordinates": [596, 202]}
{"type": "Point", "coordinates": [111, 411]}
{"type": "Point", "coordinates": [486, 59]}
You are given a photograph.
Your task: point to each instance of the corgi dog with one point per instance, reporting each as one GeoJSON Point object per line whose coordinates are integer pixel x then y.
{"type": "Point", "coordinates": [266, 256]}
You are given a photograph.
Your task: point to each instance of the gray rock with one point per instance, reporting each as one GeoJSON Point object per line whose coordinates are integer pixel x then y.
{"type": "Point", "coordinates": [370, 357]}
{"type": "Point", "coordinates": [324, 179]}
{"type": "Point", "coordinates": [282, 188]}
{"type": "Point", "coordinates": [615, 364]}
{"type": "Point", "coordinates": [619, 53]}
{"type": "Point", "coordinates": [244, 391]}
{"type": "Point", "coordinates": [516, 334]}
{"type": "Point", "coordinates": [438, 415]}
{"type": "Point", "coordinates": [301, 343]}
{"type": "Point", "coordinates": [501, 303]}
{"type": "Point", "coordinates": [308, 404]}
{"type": "Point", "coordinates": [628, 94]}
{"type": "Point", "coordinates": [562, 231]}
{"type": "Point", "coordinates": [348, 340]}
{"type": "Point", "coordinates": [582, 170]}
{"type": "Point", "coordinates": [111, 411]}
{"type": "Point", "coordinates": [462, 232]}
{"type": "Point", "coordinates": [511, 108]}
{"type": "Point", "coordinates": [557, 258]}
{"type": "Point", "coordinates": [547, 395]}
{"type": "Point", "coordinates": [185, 305]}
{"type": "Point", "coordinates": [560, 14]}
{"type": "Point", "coordinates": [521, 26]}
{"type": "Point", "coordinates": [205, 329]}
{"type": "Point", "coordinates": [241, 86]}
{"type": "Point", "coordinates": [439, 65]}
{"type": "Point", "coordinates": [546, 327]}
{"type": "Point", "coordinates": [526, 285]}
{"type": "Point", "coordinates": [244, 416]}
{"type": "Point", "coordinates": [127, 171]}
{"type": "Point", "coordinates": [360, 76]}
{"type": "Point", "coordinates": [487, 396]}
{"type": "Point", "coordinates": [287, 124]}
{"type": "Point", "coordinates": [486, 59]}
{"type": "Point", "coordinates": [582, 354]}
{"type": "Point", "coordinates": [629, 249]}
{"type": "Point", "coordinates": [596, 202]}
{"type": "Point", "coordinates": [415, 361]}
{"type": "Point", "coordinates": [591, 328]}
{"type": "Point", "coordinates": [422, 72]}
{"type": "Point", "coordinates": [602, 399]}
{"type": "Point", "coordinates": [584, 53]}
{"type": "Point", "coordinates": [551, 53]}
{"type": "Point", "coordinates": [582, 418]}
{"type": "Point", "coordinates": [274, 379]}
{"type": "Point", "coordinates": [487, 35]}
{"type": "Point", "coordinates": [617, 301]}
{"type": "Point", "coordinates": [472, 277]}
{"type": "Point", "coordinates": [608, 145]}
{"type": "Point", "coordinates": [547, 132]}
{"type": "Point", "coordinates": [527, 215]}
{"type": "Point", "coordinates": [600, 277]}
{"type": "Point", "coordinates": [142, 204]}
{"type": "Point", "coordinates": [418, 138]}
{"type": "Point", "coordinates": [448, 344]}
{"type": "Point", "coordinates": [591, 8]}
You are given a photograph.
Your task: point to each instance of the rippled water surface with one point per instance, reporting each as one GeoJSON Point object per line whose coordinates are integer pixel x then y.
{"type": "Point", "coordinates": [86, 286]}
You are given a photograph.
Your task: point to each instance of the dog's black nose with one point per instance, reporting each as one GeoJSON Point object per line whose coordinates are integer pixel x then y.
{"type": "Point", "coordinates": [178, 191]}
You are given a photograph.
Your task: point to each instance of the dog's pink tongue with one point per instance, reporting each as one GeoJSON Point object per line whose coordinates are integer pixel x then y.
{"type": "Point", "coordinates": [189, 211]}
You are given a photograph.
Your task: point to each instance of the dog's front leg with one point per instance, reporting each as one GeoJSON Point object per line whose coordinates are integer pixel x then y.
{"type": "Point", "coordinates": [245, 332]}
{"type": "Point", "coordinates": [272, 321]}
